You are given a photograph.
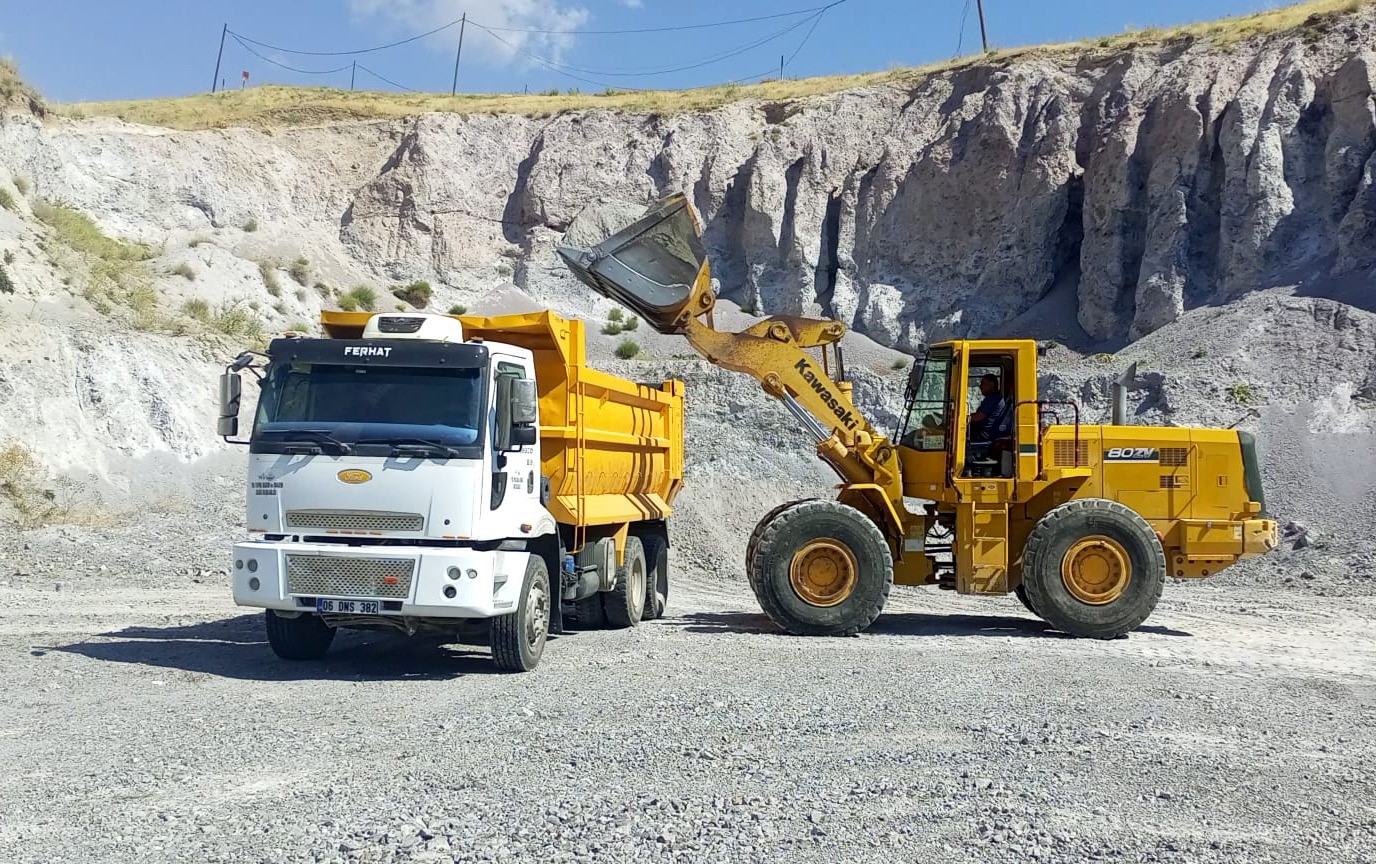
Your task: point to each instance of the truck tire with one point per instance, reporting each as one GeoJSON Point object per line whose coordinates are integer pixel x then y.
{"type": "Point", "coordinates": [1093, 568]}
{"type": "Point", "coordinates": [656, 547]}
{"type": "Point", "coordinates": [589, 613]}
{"type": "Point", "coordinates": [822, 568]}
{"type": "Point", "coordinates": [519, 639]}
{"type": "Point", "coordinates": [753, 543]}
{"type": "Point", "coordinates": [625, 603]}
{"type": "Point", "coordinates": [305, 637]}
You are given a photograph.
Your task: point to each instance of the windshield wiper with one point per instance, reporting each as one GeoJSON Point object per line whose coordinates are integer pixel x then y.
{"type": "Point", "coordinates": [318, 436]}
{"type": "Point", "coordinates": [418, 447]}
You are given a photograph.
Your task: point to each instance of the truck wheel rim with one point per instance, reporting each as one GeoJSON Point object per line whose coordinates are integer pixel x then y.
{"type": "Point", "coordinates": [823, 573]}
{"type": "Point", "coordinates": [537, 614]}
{"type": "Point", "coordinates": [1096, 570]}
{"type": "Point", "coordinates": [636, 575]}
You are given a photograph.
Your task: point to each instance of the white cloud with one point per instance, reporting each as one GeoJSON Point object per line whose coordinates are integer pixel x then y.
{"type": "Point", "coordinates": [404, 16]}
{"type": "Point", "coordinates": [633, 4]}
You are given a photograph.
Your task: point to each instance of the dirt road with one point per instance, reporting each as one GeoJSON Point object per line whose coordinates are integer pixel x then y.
{"type": "Point", "coordinates": [148, 727]}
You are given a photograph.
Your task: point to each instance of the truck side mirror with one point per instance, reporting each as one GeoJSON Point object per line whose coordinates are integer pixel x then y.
{"type": "Point", "coordinates": [516, 412]}
{"type": "Point", "coordinates": [230, 390]}
{"type": "Point", "coordinates": [524, 402]}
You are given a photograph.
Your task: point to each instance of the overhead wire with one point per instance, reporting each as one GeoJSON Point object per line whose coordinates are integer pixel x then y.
{"type": "Point", "coordinates": [385, 79]}
{"type": "Point", "coordinates": [242, 38]}
{"type": "Point", "coordinates": [960, 37]}
{"type": "Point", "coordinates": [289, 68]}
{"type": "Point", "coordinates": [669, 28]}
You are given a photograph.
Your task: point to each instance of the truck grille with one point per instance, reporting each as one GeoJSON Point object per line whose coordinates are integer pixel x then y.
{"type": "Point", "coordinates": [355, 520]}
{"type": "Point", "coordinates": [334, 576]}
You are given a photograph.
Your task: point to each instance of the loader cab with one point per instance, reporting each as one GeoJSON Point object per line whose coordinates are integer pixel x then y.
{"type": "Point", "coordinates": [936, 445]}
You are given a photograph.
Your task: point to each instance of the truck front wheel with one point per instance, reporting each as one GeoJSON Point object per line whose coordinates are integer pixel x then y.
{"type": "Point", "coordinates": [518, 639]}
{"type": "Point", "coordinates": [305, 637]}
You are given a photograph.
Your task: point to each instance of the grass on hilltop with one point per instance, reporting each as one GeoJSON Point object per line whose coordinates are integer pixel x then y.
{"type": "Point", "coordinates": [276, 106]}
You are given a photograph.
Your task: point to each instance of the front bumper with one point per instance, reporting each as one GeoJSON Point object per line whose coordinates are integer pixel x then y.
{"type": "Point", "coordinates": [1259, 536]}
{"type": "Point", "coordinates": [493, 590]}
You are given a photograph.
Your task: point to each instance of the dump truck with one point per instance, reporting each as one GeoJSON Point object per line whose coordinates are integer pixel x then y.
{"type": "Point", "coordinates": [1083, 522]}
{"type": "Point", "coordinates": [422, 472]}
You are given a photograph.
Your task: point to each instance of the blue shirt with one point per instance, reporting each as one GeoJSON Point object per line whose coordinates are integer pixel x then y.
{"type": "Point", "coordinates": [997, 422]}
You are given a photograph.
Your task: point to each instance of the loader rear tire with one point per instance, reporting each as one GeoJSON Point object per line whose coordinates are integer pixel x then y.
{"type": "Point", "coordinates": [305, 637]}
{"type": "Point", "coordinates": [518, 639]}
{"type": "Point", "coordinates": [822, 568]}
{"type": "Point", "coordinates": [657, 574]}
{"type": "Point", "coordinates": [625, 603]}
{"type": "Point", "coordinates": [1093, 568]}
{"type": "Point", "coordinates": [753, 543]}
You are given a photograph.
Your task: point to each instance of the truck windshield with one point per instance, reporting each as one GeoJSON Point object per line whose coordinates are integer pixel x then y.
{"type": "Point", "coordinates": [371, 404]}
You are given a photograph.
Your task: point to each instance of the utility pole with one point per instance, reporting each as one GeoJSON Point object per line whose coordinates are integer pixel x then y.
{"type": "Point", "coordinates": [463, 24]}
{"type": "Point", "coordinates": [983, 34]}
{"type": "Point", "coordinates": [781, 67]}
{"type": "Point", "coordinates": [216, 81]}
{"type": "Point", "coordinates": [352, 72]}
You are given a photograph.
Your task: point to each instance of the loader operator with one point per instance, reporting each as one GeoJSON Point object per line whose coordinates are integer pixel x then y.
{"type": "Point", "coordinates": [990, 422]}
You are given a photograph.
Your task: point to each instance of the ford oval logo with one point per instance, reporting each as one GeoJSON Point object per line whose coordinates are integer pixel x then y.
{"type": "Point", "coordinates": [354, 476]}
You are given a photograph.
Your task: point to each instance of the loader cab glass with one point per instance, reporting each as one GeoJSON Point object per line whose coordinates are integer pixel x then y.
{"type": "Point", "coordinates": [929, 402]}
{"type": "Point", "coordinates": [344, 406]}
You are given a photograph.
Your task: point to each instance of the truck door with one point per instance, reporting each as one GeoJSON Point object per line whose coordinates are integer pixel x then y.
{"type": "Point", "coordinates": [516, 472]}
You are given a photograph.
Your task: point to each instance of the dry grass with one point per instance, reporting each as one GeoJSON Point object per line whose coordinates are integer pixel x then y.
{"type": "Point", "coordinates": [36, 497]}
{"type": "Point", "coordinates": [273, 106]}
{"type": "Point", "coordinates": [11, 85]}
{"type": "Point", "coordinates": [113, 273]}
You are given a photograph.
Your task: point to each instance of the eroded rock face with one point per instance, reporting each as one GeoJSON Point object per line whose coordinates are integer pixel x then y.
{"type": "Point", "coordinates": [1144, 183]}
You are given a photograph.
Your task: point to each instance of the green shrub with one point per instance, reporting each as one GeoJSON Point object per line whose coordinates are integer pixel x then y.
{"type": "Point", "coordinates": [268, 269]}
{"type": "Point", "coordinates": [9, 257]}
{"type": "Point", "coordinates": [301, 295]}
{"type": "Point", "coordinates": [197, 241]}
{"type": "Point", "coordinates": [1198, 354]}
{"type": "Point", "coordinates": [417, 293]}
{"type": "Point", "coordinates": [323, 290]}
{"type": "Point", "coordinates": [233, 320]}
{"type": "Point", "coordinates": [611, 328]}
{"type": "Point", "coordinates": [279, 307]}
{"type": "Point", "coordinates": [630, 324]}
{"type": "Point", "coordinates": [300, 271]}
{"type": "Point", "coordinates": [898, 364]}
{"type": "Point", "coordinates": [6, 286]}
{"type": "Point", "coordinates": [1242, 393]}
{"type": "Point", "coordinates": [197, 308]}
{"type": "Point", "coordinates": [7, 200]}
{"type": "Point", "coordinates": [22, 185]}
{"type": "Point", "coordinates": [251, 225]}
{"type": "Point", "coordinates": [503, 269]}
{"type": "Point", "coordinates": [184, 270]}
{"type": "Point", "coordinates": [359, 297]}
{"type": "Point", "coordinates": [458, 309]}
{"type": "Point", "coordinates": [301, 327]}
{"type": "Point", "coordinates": [76, 230]}
{"type": "Point", "coordinates": [627, 349]}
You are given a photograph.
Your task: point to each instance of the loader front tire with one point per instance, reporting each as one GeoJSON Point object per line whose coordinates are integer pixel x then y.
{"type": "Point", "coordinates": [1093, 568]}
{"type": "Point", "coordinates": [822, 568]}
{"type": "Point", "coordinates": [305, 637]}
{"type": "Point", "coordinates": [753, 543]}
{"type": "Point", "coordinates": [1021, 592]}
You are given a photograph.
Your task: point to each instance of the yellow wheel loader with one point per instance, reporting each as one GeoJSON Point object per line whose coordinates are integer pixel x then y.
{"type": "Point", "coordinates": [1084, 522]}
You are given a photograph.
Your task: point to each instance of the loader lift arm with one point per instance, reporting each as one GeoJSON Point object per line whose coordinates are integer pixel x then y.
{"type": "Point", "coordinates": [658, 267]}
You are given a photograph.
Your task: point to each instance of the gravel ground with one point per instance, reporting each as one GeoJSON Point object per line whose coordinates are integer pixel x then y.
{"type": "Point", "coordinates": [146, 724]}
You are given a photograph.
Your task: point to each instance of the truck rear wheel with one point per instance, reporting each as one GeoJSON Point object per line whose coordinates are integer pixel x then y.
{"type": "Point", "coordinates": [822, 568]}
{"type": "Point", "coordinates": [305, 637]}
{"type": "Point", "coordinates": [518, 639]}
{"type": "Point", "coordinates": [625, 603]}
{"type": "Point", "coordinates": [1093, 568]}
{"type": "Point", "coordinates": [656, 547]}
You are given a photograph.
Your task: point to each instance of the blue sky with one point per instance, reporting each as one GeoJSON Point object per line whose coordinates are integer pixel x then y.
{"type": "Point", "coordinates": [111, 49]}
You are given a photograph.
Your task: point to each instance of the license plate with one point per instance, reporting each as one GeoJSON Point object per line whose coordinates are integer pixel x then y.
{"type": "Point", "coordinates": [347, 607]}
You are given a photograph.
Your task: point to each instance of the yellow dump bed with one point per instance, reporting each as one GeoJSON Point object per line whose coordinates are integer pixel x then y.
{"type": "Point", "coordinates": [611, 448]}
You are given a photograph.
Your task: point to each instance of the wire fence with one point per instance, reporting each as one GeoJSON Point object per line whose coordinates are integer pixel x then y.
{"type": "Point", "coordinates": [796, 29]}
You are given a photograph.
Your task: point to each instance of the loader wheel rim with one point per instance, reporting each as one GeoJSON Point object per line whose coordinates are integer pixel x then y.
{"type": "Point", "coordinates": [824, 573]}
{"type": "Point", "coordinates": [1096, 570]}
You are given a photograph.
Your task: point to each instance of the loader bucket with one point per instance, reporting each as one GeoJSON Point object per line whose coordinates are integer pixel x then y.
{"type": "Point", "coordinates": [656, 266]}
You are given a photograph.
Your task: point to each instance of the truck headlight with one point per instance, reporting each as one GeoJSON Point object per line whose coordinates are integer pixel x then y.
{"type": "Point", "coordinates": [472, 574]}
{"type": "Point", "coordinates": [454, 573]}
{"type": "Point", "coordinates": [253, 565]}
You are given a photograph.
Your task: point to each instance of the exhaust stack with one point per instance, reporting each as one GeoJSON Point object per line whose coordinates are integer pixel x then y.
{"type": "Point", "coordinates": [1120, 395]}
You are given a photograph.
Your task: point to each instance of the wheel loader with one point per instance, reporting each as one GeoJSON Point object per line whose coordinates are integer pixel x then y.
{"type": "Point", "coordinates": [1083, 522]}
